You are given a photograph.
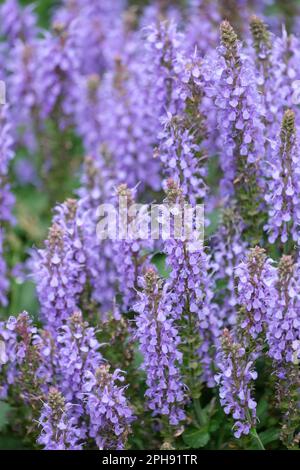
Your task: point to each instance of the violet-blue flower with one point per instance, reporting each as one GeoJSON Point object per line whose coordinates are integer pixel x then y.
{"type": "Point", "coordinates": [256, 290]}
{"type": "Point", "coordinates": [283, 331]}
{"type": "Point", "coordinates": [283, 184]}
{"type": "Point", "coordinates": [58, 426]}
{"type": "Point", "coordinates": [107, 407]}
{"type": "Point", "coordinates": [235, 379]}
{"type": "Point", "coordinates": [159, 343]}
{"type": "Point", "coordinates": [58, 269]}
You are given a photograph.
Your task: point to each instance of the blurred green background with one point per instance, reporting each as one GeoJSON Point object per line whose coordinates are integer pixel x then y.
{"type": "Point", "coordinates": [45, 7]}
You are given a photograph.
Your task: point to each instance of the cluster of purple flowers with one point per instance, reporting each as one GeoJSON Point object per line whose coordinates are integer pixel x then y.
{"type": "Point", "coordinates": [228, 250]}
{"type": "Point", "coordinates": [235, 379]}
{"type": "Point", "coordinates": [6, 196]}
{"type": "Point", "coordinates": [58, 429]}
{"type": "Point", "coordinates": [96, 189]}
{"type": "Point", "coordinates": [159, 340]}
{"type": "Point", "coordinates": [237, 101]}
{"type": "Point", "coordinates": [283, 321]}
{"type": "Point", "coordinates": [58, 269]}
{"type": "Point", "coordinates": [54, 371]}
{"type": "Point", "coordinates": [255, 290]}
{"type": "Point", "coordinates": [107, 407]}
{"type": "Point", "coordinates": [283, 185]}
{"type": "Point", "coordinates": [131, 254]}
{"type": "Point", "coordinates": [16, 335]}
{"type": "Point", "coordinates": [17, 22]}
{"type": "Point", "coordinates": [190, 268]}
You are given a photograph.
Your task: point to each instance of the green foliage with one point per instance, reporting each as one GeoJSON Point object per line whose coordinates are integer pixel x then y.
{"type": "Point", "coordinates": [195, 438]}
{"type": "Point", "coordinates": [4, 419]}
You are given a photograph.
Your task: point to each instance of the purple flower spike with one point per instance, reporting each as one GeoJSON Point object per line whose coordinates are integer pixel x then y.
{"type": "Point", "coordinates": [159, 342]}
{"type": "Point", "coordinates": [107, 407]}
{"type": "Point", "coordinates": [59, 268]}
{"type": "Point", "coordinates": [6, 197]}
{"type": "Point", "coordinates": [235, 380]}
{"type": "Point", "coordinates": [283, 195]}
{"type": "Point", "coordinates": [283, 332]}
{"type": "Point", "coordinates": [256, 291]}
{"type": "Point", "coordinates": [59, 430]}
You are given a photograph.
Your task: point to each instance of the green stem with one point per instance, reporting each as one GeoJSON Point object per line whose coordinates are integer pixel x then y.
{"type": "Point", "coordinates": [257, 439]}
{"type": "Point", "coordinates": [254, 433]}
{"type": "Point", "coordinates": [198, 411]}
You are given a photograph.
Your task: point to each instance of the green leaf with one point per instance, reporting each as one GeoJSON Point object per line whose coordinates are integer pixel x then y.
{"type": "Point", "coordinates": [159, 261]}
{"type": "Point", "coordinates": [268, 436]}
{"type": "Point", "coordinates": [262, 410]}
{"type": "Point", "coordinates": [214, 219]}
{"type": "Point", "coordinates": [11, 442]}
{"type": "Point", "coordinates": [4, 410]}
{"type": "Point", "coordinates": [214, 424]}
{"type": "Point", "coordinates": [196, 438]}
